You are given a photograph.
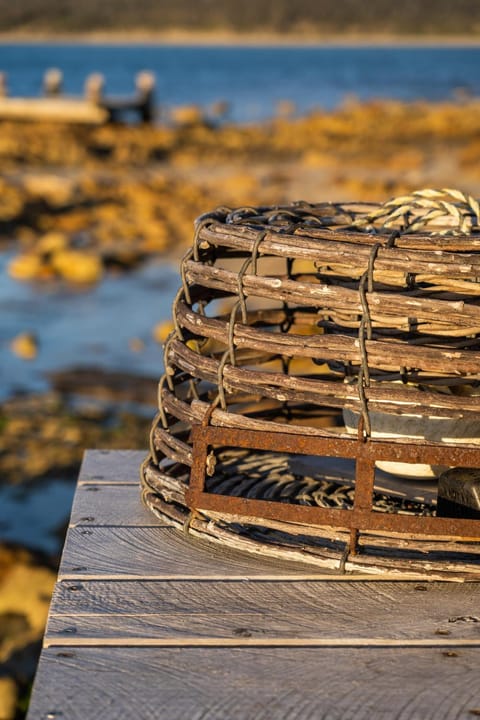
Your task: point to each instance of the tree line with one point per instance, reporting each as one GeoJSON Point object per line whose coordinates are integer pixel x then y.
{"type": "Point", "coordinates": [278, 16]}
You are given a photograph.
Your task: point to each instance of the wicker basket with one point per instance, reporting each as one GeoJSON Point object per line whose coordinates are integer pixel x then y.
{"type": "Point", "coordinates": [291, 319]}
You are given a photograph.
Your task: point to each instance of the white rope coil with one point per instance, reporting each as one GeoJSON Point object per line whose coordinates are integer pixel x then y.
{"type": "Point", "coordinates": [442, 212]}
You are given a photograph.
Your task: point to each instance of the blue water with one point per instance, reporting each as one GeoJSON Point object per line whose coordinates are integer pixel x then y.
{"type": "Point", "coordinates": [88, 327]}
{"type": "Point", "coordinates": [252, 79]}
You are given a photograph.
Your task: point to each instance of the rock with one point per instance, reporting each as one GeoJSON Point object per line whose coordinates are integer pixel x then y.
{"type": "Point", "coordinates": [77, 267]}
{"type": "Point", "coordinates": [25, 346]}
{"type": "Point", "coordinates": [187, 116]}
{"type": "Point", "coordinates": [8, 698]}
{"type": "Point", "coordinates": [162, 330]}
{"type": "Point", "coordinates": [52, 242]}
{"type": "Point", "coordinates": [44, 436]}
{"type": "Point", "coordinates": [27, 266]}
{"type": "Point", "coordinates": [25, 592]}
{"type": "Point", "coordinates": [54, 189]}
{"type": "Point", "coordinates": [12, 201]}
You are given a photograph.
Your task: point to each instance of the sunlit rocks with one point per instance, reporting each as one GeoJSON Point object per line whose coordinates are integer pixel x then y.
{"type": "Point", "coordinates": [162, 330]}
{"type": "Point", "coordinates": [25, 346]}
{"type": "Point", "coordinates": [80, 203]}
{"type": "Point", "coordinates": [11, 200]}
{"type": "Point", "coordinates": [8, 698]}
{"type": "Point", "coordinates": [57, 190]}
{"type": "Point", "coordinates": [53, 260]}
{"type": "Point", "coordinates": [77, 267]}
{"type": "Point", "coordinates": [52, 242]}
{"type": "Point", "coordinates": [27, 266]}
{"type": "Point", "coordinates": [187, 115]}
{"type": "Point", "coordinates": [25, 591]}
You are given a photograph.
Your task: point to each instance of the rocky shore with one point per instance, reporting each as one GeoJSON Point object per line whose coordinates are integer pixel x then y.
{"type": "Point", "coordinates": [78, 202]}
{"type": "Point", "coordinates": [80, 205]}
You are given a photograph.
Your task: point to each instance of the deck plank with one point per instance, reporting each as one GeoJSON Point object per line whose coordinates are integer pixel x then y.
{"type": "Point", "coordinates": [111, 466]}
{"type": "Point", "coordinates": [260, 683]}
{"type": "Point", "coordinates": [148, 622]}
{"type": "Point", "coordinates": [111, 505]}
{"type": "Point", "coordinates": [161, 553]}
{"type": "Point", "coordinates": [158, 611]}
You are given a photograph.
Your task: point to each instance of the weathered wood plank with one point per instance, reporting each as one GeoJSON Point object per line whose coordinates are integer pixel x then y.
{"type": "Point", "coordinates": [117, 505]}
{"type": "Point", "coordinates": [261, 683]}
{"type": "Point", "coordinates": [122, 645]}
{"type": "Point", "coordinates": [98, 612]}
{"type": "Point", "coordinates": [162, 553]}
{"type": "Point", "coordinates": [111, 466]}
{"type": "Point", "coordinates": [413, 600]}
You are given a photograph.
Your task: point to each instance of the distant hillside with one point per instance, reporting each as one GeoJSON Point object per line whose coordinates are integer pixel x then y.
{"type": "Point", "coordinates": [412, 17]}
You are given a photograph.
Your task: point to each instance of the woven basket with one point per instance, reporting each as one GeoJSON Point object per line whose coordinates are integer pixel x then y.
{"type": "Point", "coordinates": [291, 319]}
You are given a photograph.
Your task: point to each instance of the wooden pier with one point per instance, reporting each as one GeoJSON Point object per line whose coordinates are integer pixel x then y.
{"type": "Point", "coordinates": [94, 108]}
{"type": "Point", "coordinates": [146, 622]}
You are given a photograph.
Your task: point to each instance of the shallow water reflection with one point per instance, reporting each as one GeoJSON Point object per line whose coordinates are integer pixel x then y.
{"type": "Point", "coordinates": [84, 327]}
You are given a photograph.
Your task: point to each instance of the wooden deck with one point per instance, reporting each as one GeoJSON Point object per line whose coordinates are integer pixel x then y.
{"type": "Point", "coordinates": [147, 623]}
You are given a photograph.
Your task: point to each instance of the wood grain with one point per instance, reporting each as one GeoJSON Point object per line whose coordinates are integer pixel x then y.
{"type": "Point", "coordinates": [111, 505]}
{"type": "Point", "coordinates": [161, 552]}
{"type": "Point", "coordinates": [111, 466]}
{"type": "Point", "coordinates": [324, 347]}
{"type": "Point", "coordinates": [333, 298]}
{"type": "Point", "coordinates": [259, 610]}
{"type": "Point", "coordinates": [260, 683]}
{"type": "Point", "coordinates": [146, 622]}
{"type": "Point", "coordinates": [350, 249]}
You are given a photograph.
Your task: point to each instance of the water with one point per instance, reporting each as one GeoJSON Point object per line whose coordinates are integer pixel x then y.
{"type": "Point", "coordinates": [89, 327]}
{"type": "Point", "coordinates": [34, 515]}
{"type": "Point", "coordinates": [251, 79]}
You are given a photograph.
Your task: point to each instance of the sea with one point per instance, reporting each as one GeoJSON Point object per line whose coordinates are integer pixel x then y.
{"type": "Point", "coordinates": [253, 80]}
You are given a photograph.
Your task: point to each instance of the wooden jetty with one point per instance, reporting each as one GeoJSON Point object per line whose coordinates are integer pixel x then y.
{"type": "Point", "coordinates": [94, 108]}
{"type": "Point", "coordinates": [146, 622]}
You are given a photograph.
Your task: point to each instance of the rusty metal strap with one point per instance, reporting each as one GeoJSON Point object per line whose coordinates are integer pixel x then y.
{"type": "Point", "coordinates": [362, 517]}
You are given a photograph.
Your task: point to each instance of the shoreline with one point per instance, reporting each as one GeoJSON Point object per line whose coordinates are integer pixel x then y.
{"type": "Point", "coordinates": [177, 37]}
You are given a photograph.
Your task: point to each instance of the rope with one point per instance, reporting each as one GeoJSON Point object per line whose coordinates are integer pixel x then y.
{"type": "Point", "coordinates": [250, 261]}
{"type": "Point", "coordinates": [423, 210]}
{"type": "Point", "coordinates": [365, 333]}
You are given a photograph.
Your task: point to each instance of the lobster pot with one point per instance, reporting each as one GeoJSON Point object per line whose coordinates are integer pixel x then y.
{"type": "Point", "coordinates": [320, 400]}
